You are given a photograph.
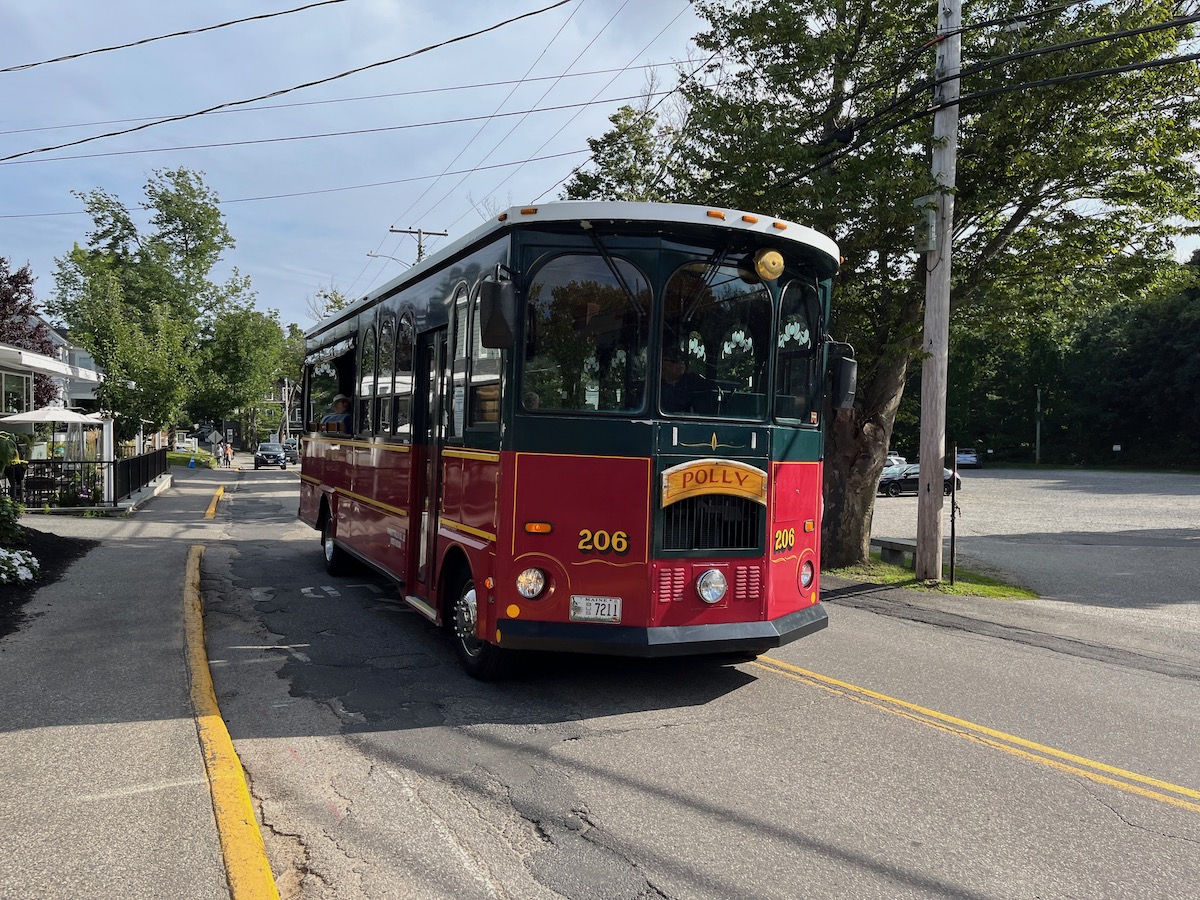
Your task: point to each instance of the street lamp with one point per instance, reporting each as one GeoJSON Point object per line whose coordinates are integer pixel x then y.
{"type": "Point", "coordinates": [392, 258]}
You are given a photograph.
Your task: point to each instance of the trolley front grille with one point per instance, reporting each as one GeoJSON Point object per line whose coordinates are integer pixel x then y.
{"type": "Point", "coordinates": [713, 522]}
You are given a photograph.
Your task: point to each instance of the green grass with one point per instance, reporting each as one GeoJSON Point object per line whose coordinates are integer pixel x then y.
{"type": "Point", "coordinates": [203, 459]}
{"type": "Point", "coordinates": [966, 582]}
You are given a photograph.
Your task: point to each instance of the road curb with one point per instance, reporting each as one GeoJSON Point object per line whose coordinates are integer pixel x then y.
{"type": "Point", "coordinates": [246, 866]}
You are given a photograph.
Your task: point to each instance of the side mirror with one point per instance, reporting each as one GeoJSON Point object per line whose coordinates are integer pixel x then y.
{"type": "Point", "coordinates": [497, 314]}
{"type": "Point", "coordinates": [845, 382]}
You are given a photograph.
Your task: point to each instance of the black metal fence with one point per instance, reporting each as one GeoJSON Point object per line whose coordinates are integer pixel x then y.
{"type": "Point", "coordinates": [138, 471]}
{"type": "Point", "coordinates": [59, 483]}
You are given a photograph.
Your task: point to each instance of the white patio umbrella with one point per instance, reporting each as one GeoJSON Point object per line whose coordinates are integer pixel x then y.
{"type": "Point", "coordinates": [50, 414]}
{"type": "Point", "coordinates": [58, 415]}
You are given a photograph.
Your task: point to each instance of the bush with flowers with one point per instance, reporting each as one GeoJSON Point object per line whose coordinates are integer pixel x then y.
{"type": "Point", "coordinates": [17, 566]}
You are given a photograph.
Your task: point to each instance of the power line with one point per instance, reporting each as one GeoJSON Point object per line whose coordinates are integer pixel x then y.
{"type": "Point", "coordinates": [334, 190]}
{"type": "Point", "coordinates": [361, 98]}
{"type": "Point", "coordinates": [297, 87]}
{"type": "Point", "coordinates": [163, 37]}
{"type": "Point", "coordinates": [572, 119]}
{"type": "Point", "coordinates": [499, 106]}
{"type": "Point", "coordinates": [328, 134]}
{"type": "Point", "coordinates": [545, 94]}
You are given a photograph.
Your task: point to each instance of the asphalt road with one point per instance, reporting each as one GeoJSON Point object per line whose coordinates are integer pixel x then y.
{"type": "Point", "coordinates": [918, 747]}
{"type": "Point", "coordinates": [1117, 546]}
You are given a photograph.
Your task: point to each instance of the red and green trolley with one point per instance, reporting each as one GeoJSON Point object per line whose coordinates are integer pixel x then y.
{"type": "Point", "coordinates": [586, 427]}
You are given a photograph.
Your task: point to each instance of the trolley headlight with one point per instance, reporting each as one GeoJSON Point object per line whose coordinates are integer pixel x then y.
{"type": "Point", "coordinates": [531, 583]}
{"type": "Point", "coordinates": [807, 573]}
{"type": "Point", "coordinates": [711, 586]}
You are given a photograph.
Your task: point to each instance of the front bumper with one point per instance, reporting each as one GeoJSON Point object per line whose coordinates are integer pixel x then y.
{"type": "Point", "coordinates": [679, 640]}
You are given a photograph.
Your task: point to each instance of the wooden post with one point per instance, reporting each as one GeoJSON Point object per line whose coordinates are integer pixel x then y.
{"type": "Point", "coordinates": [927, 561]}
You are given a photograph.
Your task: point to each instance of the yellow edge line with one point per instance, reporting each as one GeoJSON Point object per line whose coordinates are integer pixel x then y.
{"type": "Point", "coordinates": [246, 865]}
{"type": "Point", "coordinates": [1011, 744]}
{"type": "Point", "coordinates": [212, 507]}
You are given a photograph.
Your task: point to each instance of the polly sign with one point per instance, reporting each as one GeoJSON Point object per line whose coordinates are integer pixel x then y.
{"type": "Point", "coordinates": [713, 476]}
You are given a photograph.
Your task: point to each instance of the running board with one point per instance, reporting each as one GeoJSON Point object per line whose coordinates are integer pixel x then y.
{"type": "Point", "coordinates": [422, 607]}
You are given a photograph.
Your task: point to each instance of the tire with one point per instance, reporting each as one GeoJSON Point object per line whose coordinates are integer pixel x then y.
{"type": "Point", "coordinates": [480, 660]}
{"type": "Point", "coordinates": [337, 560]}
{"type": "Point", "coordinates": [947, 489]}
{"type": "Point", "coordinates": [256, 467]}
{"type": "Point", "coordinates": [893, 489]}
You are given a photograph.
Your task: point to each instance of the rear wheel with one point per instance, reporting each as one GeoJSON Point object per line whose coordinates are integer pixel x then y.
{"type": "Point", "coordinates": [893, 489]}
{"type": "Point", "coordinates": [946, 488]}
{"type": "Point", "coordinates": [336, 559]}
{"type": "Point", "coordinates": [480, 659]}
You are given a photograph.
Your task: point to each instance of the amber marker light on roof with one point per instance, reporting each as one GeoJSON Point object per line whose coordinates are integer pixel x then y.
{"type": "Point", "coordinates": [538, 527]}
{"type": "Point", "coordinates": [529, 211]}
{"type": "Point", "coordinates": [753, 220]}
{"type": "Point", "coordinates": [503, 217]}
{"type": "Point", "coordinates": [782, 226]}
{"type": "Point", "coordinates": [715, 214]}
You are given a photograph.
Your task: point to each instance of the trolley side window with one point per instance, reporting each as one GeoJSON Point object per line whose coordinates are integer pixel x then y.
{"type": "Point", "coordinates": [797, 374]}
{"type": "Point", "coordinates": [485, 377]}
{"type": "Point", "coordinates": [366, 385]}
{"type": "Point", "coordinates": [405, 348]}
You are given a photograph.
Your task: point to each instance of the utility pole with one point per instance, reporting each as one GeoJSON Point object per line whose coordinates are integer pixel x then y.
{"type": "Point", "coordinates": [420, 233]}
{"type": "Point", "coordinates": [927, 560]}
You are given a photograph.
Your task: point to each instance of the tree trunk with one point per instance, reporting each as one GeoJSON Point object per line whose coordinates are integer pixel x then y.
{"type": "Point", "coordinates": [856, 444]}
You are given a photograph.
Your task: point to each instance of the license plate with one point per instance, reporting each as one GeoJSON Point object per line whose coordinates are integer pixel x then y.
{"type": "Point", "coordinates": [596, 609]}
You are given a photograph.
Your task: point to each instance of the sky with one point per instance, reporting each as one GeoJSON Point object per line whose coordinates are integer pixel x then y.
{"type": "Point", "coordinates": [305, 213]}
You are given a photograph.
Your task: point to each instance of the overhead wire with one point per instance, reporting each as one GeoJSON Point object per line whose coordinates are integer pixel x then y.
{"type": "Point", "coordinates": [162, 37]}
{"type": "Point", "coordinates": [603, 88]}
{"type": "Point", "coordinates": [282, 91]}
{"type": "Point", "coordinates": [544, 95]}
{"type": "Point", "coordinates": [307, 137]}
{"type": "Point", "coordinates": [335, 100]}
{"type": "Point", "coordinates": [477, 133]}
{"type": "Point", "coordinates": [317, 191]}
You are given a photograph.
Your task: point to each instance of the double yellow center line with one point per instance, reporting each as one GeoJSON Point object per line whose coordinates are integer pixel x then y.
{"type": "Point", "coordinates": [1102, 773]}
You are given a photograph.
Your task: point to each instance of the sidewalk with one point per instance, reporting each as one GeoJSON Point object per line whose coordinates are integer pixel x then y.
{"type": "Point", "coordinates": [103, 790]}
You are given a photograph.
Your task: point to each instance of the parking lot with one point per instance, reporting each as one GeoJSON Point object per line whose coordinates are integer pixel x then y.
{"type": "Point", "coordinates": [1121, 546]}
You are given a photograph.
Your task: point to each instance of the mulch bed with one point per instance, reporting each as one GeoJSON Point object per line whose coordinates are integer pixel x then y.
{"type": "Point", "coordinates": [54, 555]}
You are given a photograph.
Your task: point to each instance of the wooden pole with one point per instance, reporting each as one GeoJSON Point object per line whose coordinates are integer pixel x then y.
{"type": "Point", "coordinates": [927, 561]}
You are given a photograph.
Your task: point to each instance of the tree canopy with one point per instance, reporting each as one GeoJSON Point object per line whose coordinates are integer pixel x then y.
{"type": "Point", "coordinates": [22, 325]}
{"type": "Point", "coordinates": [144, 303]}
{"type": "Point", "coordinates": [1076, 168]}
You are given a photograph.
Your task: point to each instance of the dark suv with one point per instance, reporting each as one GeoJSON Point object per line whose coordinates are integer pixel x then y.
{"type": "Point", "coordinates": [270, 454]}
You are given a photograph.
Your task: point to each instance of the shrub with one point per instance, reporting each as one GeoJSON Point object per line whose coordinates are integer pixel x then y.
{"type": "Point", "coordinates": [11, 531]}
{"type": "Point", "coordinates": [17, 566]}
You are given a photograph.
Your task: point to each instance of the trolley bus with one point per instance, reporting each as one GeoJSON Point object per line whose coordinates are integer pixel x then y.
{"type": "Point", "coordinates": [586, 427]}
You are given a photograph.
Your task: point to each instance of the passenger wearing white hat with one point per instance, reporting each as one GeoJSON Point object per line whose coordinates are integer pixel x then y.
{"type": "Point", "coordinates": [338, 415]}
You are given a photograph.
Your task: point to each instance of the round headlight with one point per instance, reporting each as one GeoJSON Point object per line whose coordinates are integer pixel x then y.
{"type": "Point", "coordinates": [711, 586]}
{"type": "Point", "coordinates": [807, 574]}
{"type": "Point", "coordinates": [531, 583]}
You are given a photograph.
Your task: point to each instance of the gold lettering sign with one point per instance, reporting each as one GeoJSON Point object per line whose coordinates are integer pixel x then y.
{"type": "Point", "coordinates": [713, 476]}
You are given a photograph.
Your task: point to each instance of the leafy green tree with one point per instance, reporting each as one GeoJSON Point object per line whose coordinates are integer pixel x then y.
{"type": "Point", "coordinates": [819, 115]}
{"type": "Point", "coordinates": [143, 302]}
{"type": "Point", "coordinates": [239, 362]}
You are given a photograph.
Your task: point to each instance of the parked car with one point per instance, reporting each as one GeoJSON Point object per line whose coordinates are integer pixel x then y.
{"type": "Point", "coordinates": [894, 459]}
{"type": "Point", "coordinates": [902, 479]}
{"type": "Point", "coordinates": [270, 454]}
{"type": "Point", "coordinates": [291, 450]}
{"type": "Point", "coordinates": [968, 458]}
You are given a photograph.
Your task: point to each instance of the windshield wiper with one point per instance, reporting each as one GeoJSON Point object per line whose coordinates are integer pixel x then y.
{"type": "Point", "coordinates": [590, 231]}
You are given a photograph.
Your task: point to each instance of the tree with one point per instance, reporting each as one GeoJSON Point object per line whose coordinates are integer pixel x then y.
{"type": "Point", "coordinates": [326, 302]}
{"type": "Point", "coordinates": [820, 116]}
{"type": "Point", "coordinates": [143, 303]}
{"type": "Point", "coordinates": [22, 325]}
{"type": "Point", "coordinates": [238, 363]}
